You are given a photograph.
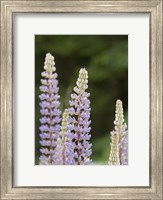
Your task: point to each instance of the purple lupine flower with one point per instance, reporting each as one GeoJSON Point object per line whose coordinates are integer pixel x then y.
{"type": "Point", "coordinates": [64, 152]}
{"type": "Point", "coordinates": [79, 119]}
{"type": "Point", "coordinates": [119, 139]}
{"type": "Point", "coordinates": [123, 145]}
{"type": "Point", "coordinates": [49, 103]}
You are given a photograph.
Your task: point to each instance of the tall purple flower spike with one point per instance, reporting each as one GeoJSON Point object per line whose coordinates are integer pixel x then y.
{"type": "Point", "coordinates": [64, 152]}
{"type": "Point", "coordinates": [119, 138]}
{"type": "Point", "coordinates": [49, 103]}
{"type": "Point", "coordinates": [79, 120]}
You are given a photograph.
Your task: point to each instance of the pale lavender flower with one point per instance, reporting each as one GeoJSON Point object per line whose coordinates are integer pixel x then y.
{"type": "Point", "coordinates": [49, 103]}
{"type": "Point", "coordinates": [119, 138]}
{"type": "Point", "coordinates": [123, 146]}
{"type": "Point", "coordinates": [64, 152]}
{"type": "Point", "coordinates": [79, 120]}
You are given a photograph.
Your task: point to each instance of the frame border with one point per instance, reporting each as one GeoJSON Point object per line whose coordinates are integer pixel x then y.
{"type": "Point", "coordinates": [154, 9]}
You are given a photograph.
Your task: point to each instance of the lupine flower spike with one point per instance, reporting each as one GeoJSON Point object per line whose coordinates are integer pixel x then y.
{"type": "Point", "coordinates": [114, 152]}
{"type": "Point", "coordinates": [119, 138]}
{"type": "Point", "coordinates": [64, 152]}
{"type": "Point", "coordinates": [79, 119]}
{"type": "Point", "coordinates": [49, 103]}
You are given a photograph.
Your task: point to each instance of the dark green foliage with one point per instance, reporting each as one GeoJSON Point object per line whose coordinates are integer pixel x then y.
{"type": "Point", "coordinates": [106, 59]}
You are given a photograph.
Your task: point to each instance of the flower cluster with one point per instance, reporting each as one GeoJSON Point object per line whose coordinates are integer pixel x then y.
{"type": "Point", "coordinates": [67, 141]}
{"type": "Point", "coordinates": [49, 103]}
{"type": "Point", "coordinates": [64, 152]}
{"type": "Point", "coordinates": [119, 138]}
{"type": "Point", "coordinates": [114, 152]}
{"type": "Point", "coordinates": [80, 119]}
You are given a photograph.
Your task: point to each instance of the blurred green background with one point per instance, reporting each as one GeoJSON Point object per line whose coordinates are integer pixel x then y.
{"type": "Point", "coordinates": [106, 59]}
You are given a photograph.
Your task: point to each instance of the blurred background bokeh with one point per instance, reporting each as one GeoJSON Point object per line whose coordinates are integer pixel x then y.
{"type": "Point", "coordinates": [106, 59]}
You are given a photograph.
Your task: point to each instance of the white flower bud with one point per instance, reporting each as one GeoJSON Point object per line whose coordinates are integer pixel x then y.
{"type": "Point", "coordinates": [49, 63]}
{"type": "Point", "coordinates": [119, 117]}
{"type": "Point", "coordinates": [82, 81]}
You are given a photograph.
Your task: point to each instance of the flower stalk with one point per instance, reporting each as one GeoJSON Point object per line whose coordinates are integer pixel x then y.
{"type": "Point", "coordinates": [119, 138]}
{"type": "Point", "coordinates": [80, 119]}
{"type": "Point", "coordinates": [64, 152]}
{"type": "Point", "coordinates": [49, 103]}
